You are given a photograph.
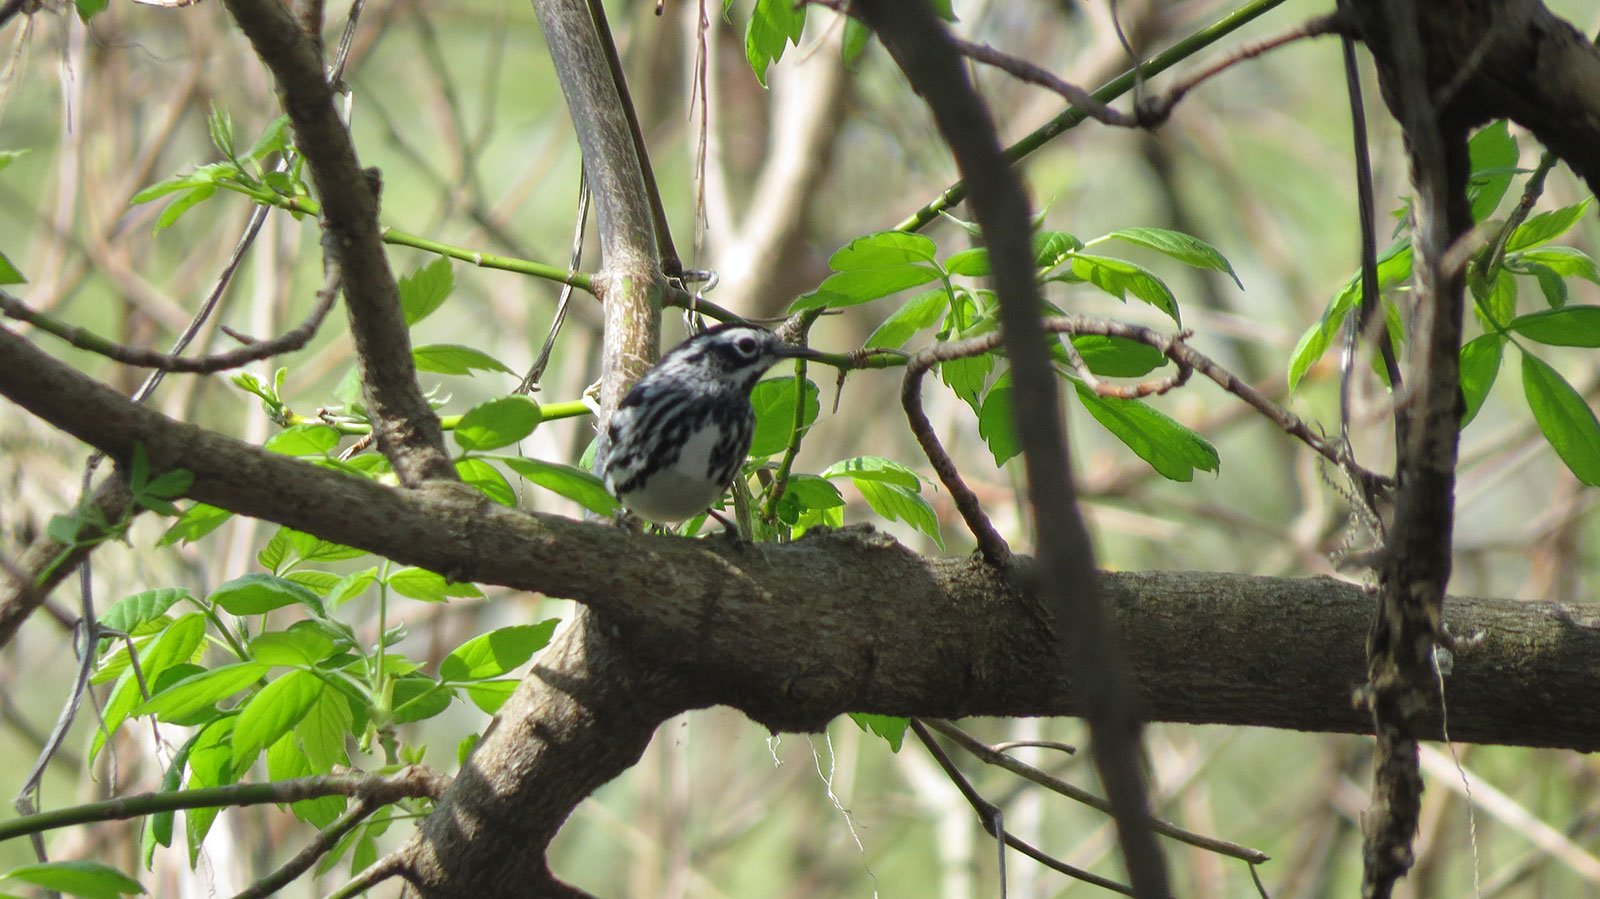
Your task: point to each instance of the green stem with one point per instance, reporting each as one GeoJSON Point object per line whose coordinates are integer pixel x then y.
{"type": "Point", "coordinates": [308, 206]}
{"type": "Point", "coordinates": [547, 412]}
{"type": "Point", "coordinates": [1116, 87]}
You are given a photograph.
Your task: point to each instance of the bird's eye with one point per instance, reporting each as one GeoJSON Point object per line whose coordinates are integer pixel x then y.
{"type": "Point", "coordinates": [746, 345]}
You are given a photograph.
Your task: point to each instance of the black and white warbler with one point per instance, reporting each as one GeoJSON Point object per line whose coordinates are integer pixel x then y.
{"type": "Point", "coordinates": [681, 433]}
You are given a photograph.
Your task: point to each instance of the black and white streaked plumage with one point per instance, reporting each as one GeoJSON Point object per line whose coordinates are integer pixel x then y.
{"type": "Point", "coordinates": [681, 433]}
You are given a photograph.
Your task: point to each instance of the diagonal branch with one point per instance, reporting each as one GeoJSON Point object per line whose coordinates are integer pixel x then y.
{"type": "Point", "coordinates": [407, 430]}
{"type": "Point", "coordinates": [1066, 581]}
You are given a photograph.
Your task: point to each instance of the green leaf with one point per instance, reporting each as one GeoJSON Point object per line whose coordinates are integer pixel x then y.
{"type": "Point", "coordinates": [1051, 248]}
{"type": "Point", "coordinates": [275, 139]}
{"type": "Point", "coordinates": [175, 210]}
{"type": "Point", "coordinates": [1568, 262]}
{"type": "Point", "coordinates": [490, 695]}
{"type": "Point", "coordinates": [130, 613]}
{"type": "Point", "coordinates": [418, 698]}
{"type": "Point", "coordinates": [9, 156]}
{"type": "Point", "coordinates": [270, 713]}
{"type": "Point", "coordinates": [854, 42]}
{"type": "Point", "coordinates": [420, 583]}
{"type": "Point", "coordinates": [1564, 417]}
{"type": "Point", "coordinates": [257, 594]}
{"type": "Point", "coordinates": [488, 479]}
{"type": "Point", "coordinates": [1493, 153]}
{"type": "Point", "coordinates": [1551, 284]}
{"type": "Point", "coordinates": [318, 582]}
{"type": "Point", "coordinates": [220, 125]}
{"type": "Point", "coordinates": [1189, 250]}
{"type": "Point", "coordinates": [199, 692]}
{"type": "Point", "coordinates": [898, 503]}
{"type": "Point", "coordinates": [1171, 449]}
{"type": "Point", "coordinates": [966, 376]}
{"type": "Point", "coordinates": [197, 521]}
{"type": "Point", "coordinates": [316, 549]}
{"type": "Point", "coordinates": [351, 586]}
{"type": "Point", "coordinates": [499, 422]}
{"type": "Point", "coordinates": [1115, 357]}
{"type": "Point", "coordinates": [1394, 267]}
{"type": "Point", "coordinates": [891, 728]}
{"type": "Point", "coordinates": [862, 285]}
{"type": "Point", "coordinates": [973, 263]}
{"type": "Point", "coordinates": [295, 647]}
{"type": "Point", "coordinates": [807, 493]}
{"type": "Point", "coordinates": [176, 645]}
{"type": "Point", "coordinates": [87, 9]}
{"type": "Point", "coordinates": [774, 24]}
{"type": "Point", "coordinates": [996, 422]}
{"type": "Point", "coordinates": [454, 359]}
{"type": "Point", "coordinates": [1480, 365]}
{"type": "Point", "coordinates": [210, 765]}
{"type": "Point", "coordinates": [575, 484]}
{"type": "Point", "coordinates": [1567, 326]}
{"type": "Point", "coordinates": [303, 440]}
{"type": "Point", "coordinates": [286, 761]}
{"type": "Point", "coordinates": [774, 402]}
{"type": "Point", "coordinates": [426, 289]}
{"type": "Point", "coordinates": [874, 468]}
{"type": "Point", "coordinates": [9, 273]}
{"type": "Point", "coordinates": [323, 731]}
{"type": "Point", "coordinates": [90, 880]}
{"type": "Point", "coordinates": [1546, 226]}
{"type": "Point", "coordinates": [885, 249]}
{"type": "Point", "coordinates": [921, 311]}
{"type": "Point", "coordinates": [1119, 278]}
{"type": "Point", "coordinates": [497, 652]}
{"type": "Point", "coordinates": [1495, 304]}
{"type": "Point", "coordinates": [159, 830]}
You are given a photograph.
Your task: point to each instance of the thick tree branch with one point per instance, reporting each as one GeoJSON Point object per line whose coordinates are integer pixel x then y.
{"type": "Point", "coordinates": [1066, 581]}
{"type": "Point", "coordinates": [407, 430]}
{"type": "Point", "coordinates": [756, 628]}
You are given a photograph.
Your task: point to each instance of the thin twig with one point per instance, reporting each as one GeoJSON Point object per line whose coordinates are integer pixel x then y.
{"type": "Point", "coordinates": [536, 370]}
{"type": "Point", "coordinates": [306, 857]}
{"type": "Point", "coordinates": [994, 548]}
{"type": "Point", "coordinates": [995, 755]}
{"type": "Point", "coordinates": [990, 816]}
{"type": "Point", "coordinates": [391, 865]}
{"type": "Point", "coordinates": [381, 789]}
{"type": "Point", "coordinates": [84, 339]}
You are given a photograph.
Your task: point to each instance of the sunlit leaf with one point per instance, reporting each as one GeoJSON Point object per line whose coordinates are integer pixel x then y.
{"type": "Point", "coordinates": [1564, 417]}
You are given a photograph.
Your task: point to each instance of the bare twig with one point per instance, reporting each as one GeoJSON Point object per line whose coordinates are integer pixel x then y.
{"type": "Point", "coordinates": [992, 819]}
{"type": "Point", "coordinates": [995, 755]}
{"type": "Point", "coordinates": [307, 856]}
{"type": "Point", "coordinates": [172, 362]}
{"type": "Point", "coordinates": [993, 546]}
{"type": "Point", "coordinates": [379, 789]}
{"type": "Point", "coordinates": [391, 865]}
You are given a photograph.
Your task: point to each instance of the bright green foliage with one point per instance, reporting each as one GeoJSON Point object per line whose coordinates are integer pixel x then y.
{"type": "Point", "coordinates": [426, 289]}
{"type": "Point", "coordinates": [499, 422]}
{"type": "Point", "coordinates": [1568, 326]}
{"type": "Point", "coordinates": [90, 880]}
{"type": "Point", "coordinates": [892, 490]}
{"type": "Point", "coordinates": [1394, 269]}
{"type": "Point", "coordinates": [1493, 156]}
{"type": "Point", "coordinates": [774, 25]}
{"type": "Point", "coordinates": [575, 484]}
{"type": "Point", "coordinates": [775, 401]}
{"type": "Point", "coordinates": [454, 359]}
{"type": "Point", "coordinates": [1564, 417]}
{"type": "Point", "coordinates": [496, 653]}
{"type": "Point", "coordinates": [1480, 364]}
{"type": "Point", "coordinates": [890, 727]}
{"type": "Point", "coordinates": [9, 273]}
{"type": "Point", "coordinates": [1169, 447]}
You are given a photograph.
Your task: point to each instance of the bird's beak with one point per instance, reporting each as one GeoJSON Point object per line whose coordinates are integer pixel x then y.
{"type": "Point", "coordinates": [795, 351]}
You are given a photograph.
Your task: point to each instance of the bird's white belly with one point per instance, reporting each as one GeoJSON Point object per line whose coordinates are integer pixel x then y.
{"type": "Point", "coordinates": [683, 489]}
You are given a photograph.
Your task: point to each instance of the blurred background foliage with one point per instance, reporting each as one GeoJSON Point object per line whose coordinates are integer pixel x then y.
{"type": "Point", "coordinates": [458, 106]}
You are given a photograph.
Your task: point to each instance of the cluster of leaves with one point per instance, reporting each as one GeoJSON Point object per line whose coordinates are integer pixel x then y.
{"type": "Point", "coordinates": [1515, 258]}
{"type": "Point", "coordinates": [266, 665]}
{"type": "Point", "coordinates": [775, 24]}
{"type": "Point", "coordinates": [883, 264]}
{"type": "Point", "coordinates": [245, 173]}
